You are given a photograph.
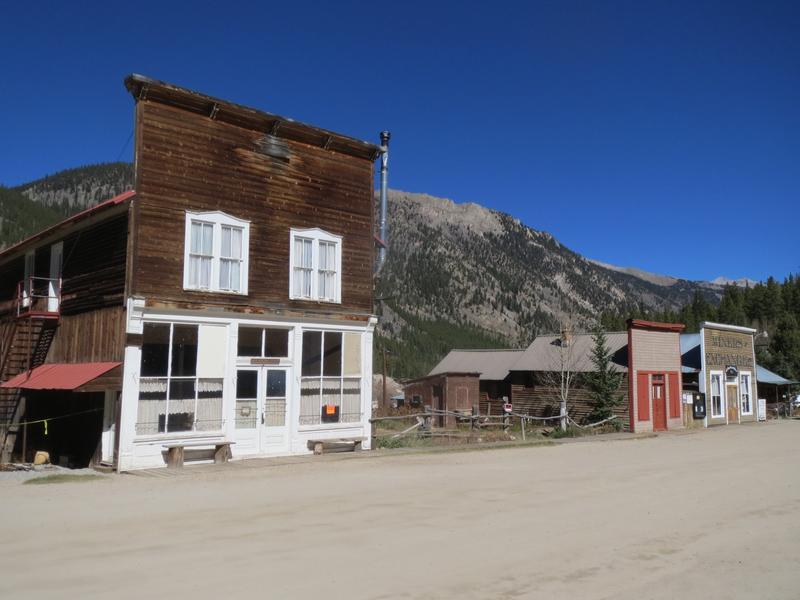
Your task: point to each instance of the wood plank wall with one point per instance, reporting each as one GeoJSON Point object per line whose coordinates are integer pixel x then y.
{"type": "Point", "coordinates": [190, 162]}
{"type": "Point", "coordinates": [529, 396]}
{"type": "Point", "coordinates": [93, 268]}
{"type": "Point", "coordinates": [91, 327]}
{"type": "Point", "coordinates": [91, 336]}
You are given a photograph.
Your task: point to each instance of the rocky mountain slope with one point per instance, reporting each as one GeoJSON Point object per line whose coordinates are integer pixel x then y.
{"type": "Point", "coordinates": [472, 265]}
{"type": "Point", "coordinates": [456, 274]}
{"type": "Point", "coordinates": [72, 190]}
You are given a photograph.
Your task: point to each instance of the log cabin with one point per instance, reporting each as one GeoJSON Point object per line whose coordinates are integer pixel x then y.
{"type": "Point", "coordinates": [226, 301]}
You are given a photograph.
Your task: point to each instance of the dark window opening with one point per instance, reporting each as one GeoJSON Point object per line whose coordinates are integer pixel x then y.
{"type": "Point", "coordinates": [155, 350]}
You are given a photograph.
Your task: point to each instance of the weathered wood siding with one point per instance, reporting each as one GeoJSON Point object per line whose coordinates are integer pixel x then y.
{"type": "Point", "coordinates": [91, 336]}
{"type": "Point", "coordinates": [93, 267]}
{"type": "Point", "coordinates": [190, 162]}
{"type": "Point", "coordinates": [460, 393]}
{"type": "Point", "coordinates": [11, 273]}
{"type": "Point", "coordinates": [530, 395]}
{"type": "Point", "coordinates": [92, 320]}
{"type": "Point", "coordinates": [491, 396]}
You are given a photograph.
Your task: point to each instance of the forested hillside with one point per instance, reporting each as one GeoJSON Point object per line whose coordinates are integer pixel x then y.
{"type": "Point", "coordinates": [67, 192]}
{"type": "Point", "coordinates": [772, 306]}
{"type": "Point", "coordinates": [31, 207]}
{"type": "Point", "coordinates": [20, 216]}
{"type": "Point", "coordinates": [464, 276]}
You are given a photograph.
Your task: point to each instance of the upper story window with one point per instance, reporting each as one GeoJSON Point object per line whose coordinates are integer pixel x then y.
{"type": "Point", "coordinates": [315, 271]}
{"type": "Point", "coordinates": [215, 253]}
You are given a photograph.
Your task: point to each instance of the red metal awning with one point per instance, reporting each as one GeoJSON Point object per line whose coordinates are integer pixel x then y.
{"type": "Point", "coordinates": [59, 376]}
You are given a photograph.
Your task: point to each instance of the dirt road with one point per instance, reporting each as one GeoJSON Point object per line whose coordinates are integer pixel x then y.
{"type": "Point", "coordinates": [714, 514]}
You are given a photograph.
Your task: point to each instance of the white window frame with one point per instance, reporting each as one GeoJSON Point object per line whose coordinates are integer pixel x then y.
{"type": "Point", "coordinates": [342, 378]}
{"type": "Point", "coordinates": [168, 379]}
{"type": "Point", "coordinates": [722, 402]}
{"type": "Point", "coordinates": [217, 220]}
{"type": "Point", "coordinates": [748, 389]}
{"type": "Point", "coordinates": [316, 236]}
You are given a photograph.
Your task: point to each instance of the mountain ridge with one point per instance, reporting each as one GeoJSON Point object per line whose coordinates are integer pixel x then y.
{"type": "Point", "coordinates": [457, 274]}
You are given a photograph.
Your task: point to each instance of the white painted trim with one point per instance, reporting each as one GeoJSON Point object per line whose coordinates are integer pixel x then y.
{"type": "Point", "coordinates": [725, 327]}
{"type": "Point", "coordinates": [134, 315]}
{"type": "Point", "coordinates": [701, 377]}
{"type": "Point", "coordinates": [316, 235]}
{"type": "Point", "coordinates": [267, 321]}
{"type": "Point", "coordinates": [750, 391]}
{"type": "Point", "coordinates": [217, 219]}
{"type": "Point", "coordinates": [144, 451]}
{"type": "Point", "coordinates": [754, 385]}
{"type": "Point", "coordinates": [109, 426]}
{"type": "Point", "coordinates": [29, 271]}
{"type": "Point", "coordinates": [723, 404]}
{"type": "Point", "coordinates": [56, 268]}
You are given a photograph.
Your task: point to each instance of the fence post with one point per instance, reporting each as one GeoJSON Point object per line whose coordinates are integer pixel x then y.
{"type": "Point", "coordinates": [522, 422]}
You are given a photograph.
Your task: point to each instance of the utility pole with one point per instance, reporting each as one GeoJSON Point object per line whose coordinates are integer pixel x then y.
{"type": "Point", "coordinates": [383, 397]}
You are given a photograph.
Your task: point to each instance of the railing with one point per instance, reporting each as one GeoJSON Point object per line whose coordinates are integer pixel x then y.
{"type": "Point", "coordinates": [38, 295]}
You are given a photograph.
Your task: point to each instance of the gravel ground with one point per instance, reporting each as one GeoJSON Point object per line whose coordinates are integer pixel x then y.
{"type": "Point", "coordinates": [711, 515]}
{"type": "Point", "coordinates": [20, 476]}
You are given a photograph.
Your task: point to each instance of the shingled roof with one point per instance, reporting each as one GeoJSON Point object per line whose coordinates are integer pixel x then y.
{"type": "Point", "coordinates": [543, 353]}
{"type": "Point", "coordinates": [493, 365]}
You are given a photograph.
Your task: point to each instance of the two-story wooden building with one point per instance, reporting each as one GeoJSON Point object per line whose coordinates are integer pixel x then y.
{"type": "Point", "coordinates": [228, 298]}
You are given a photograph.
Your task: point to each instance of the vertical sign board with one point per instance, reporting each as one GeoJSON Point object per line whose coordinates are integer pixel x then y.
{"type": "Point", "coordinates": [762, 409]}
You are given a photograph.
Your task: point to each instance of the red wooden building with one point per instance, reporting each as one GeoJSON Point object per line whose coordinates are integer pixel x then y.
{"type": "Point", "coordinates": [654, 376]}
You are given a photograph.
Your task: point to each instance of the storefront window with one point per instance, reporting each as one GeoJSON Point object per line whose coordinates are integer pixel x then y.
{"type": "Point", "coordinates": [330, 377]}
{"type": "Point", "coordinates": [171, 396]}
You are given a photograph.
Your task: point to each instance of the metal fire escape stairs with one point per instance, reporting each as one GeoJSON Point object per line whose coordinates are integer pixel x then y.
{"type": "Point", "coordinates": [25, 341]}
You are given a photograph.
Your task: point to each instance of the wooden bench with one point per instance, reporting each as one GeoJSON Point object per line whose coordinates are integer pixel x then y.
{"type": "Point", "coordinates": [222, 451]}
{"type": "Point", "coordinates": [319, 445]}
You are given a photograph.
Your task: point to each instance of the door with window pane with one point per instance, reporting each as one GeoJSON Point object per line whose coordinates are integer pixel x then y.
{"type": "Point", "coordinates": [273, 431]}
{"type": "Point", "coordinates": [247, 411]}
{"type": "Point", "coordinates": [261, 405]}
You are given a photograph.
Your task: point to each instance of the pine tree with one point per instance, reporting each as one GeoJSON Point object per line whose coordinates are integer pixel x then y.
{"type": "Point", "coordinates": [604, 382]}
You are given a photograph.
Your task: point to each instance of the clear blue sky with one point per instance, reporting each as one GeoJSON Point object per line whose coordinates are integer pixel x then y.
{"type": "Point", "coordinates": [591, 120]}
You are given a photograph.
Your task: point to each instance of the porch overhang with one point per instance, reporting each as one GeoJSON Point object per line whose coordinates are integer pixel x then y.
{"type": "Point", "coordinates": [59, 376]}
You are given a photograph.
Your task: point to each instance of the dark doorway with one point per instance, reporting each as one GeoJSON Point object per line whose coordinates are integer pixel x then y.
{"type": "Point", "coordinates": [439, 404]}
{"type": "Point", "coordinates": [71, 434]}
